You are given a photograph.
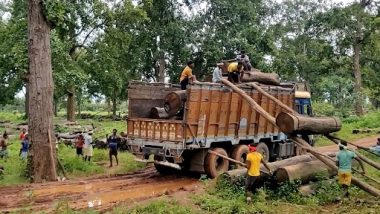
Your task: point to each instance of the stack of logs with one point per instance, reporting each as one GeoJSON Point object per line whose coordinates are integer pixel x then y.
{"type": "Point", "coordinates": [174, 101]}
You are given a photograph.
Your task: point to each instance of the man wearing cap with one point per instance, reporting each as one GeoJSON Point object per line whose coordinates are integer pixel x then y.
{"type": "Point", "coordinates": [343, 161]}
{"type": "Point", "coordinates": [217, 74]}
{"type": "Point", "coordinates": [254, 160]}
{"type": "Point", "coordinates": [187, 75]}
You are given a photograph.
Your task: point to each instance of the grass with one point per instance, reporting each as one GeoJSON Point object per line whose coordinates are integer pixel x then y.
{"type": "Point", "coordinates": [75, 167]}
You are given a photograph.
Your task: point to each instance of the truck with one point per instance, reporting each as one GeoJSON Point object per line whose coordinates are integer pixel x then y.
{"type": "Point", "coordinates": [214, 118]}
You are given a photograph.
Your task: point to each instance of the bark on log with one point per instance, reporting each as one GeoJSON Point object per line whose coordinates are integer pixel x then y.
{"type": "Point", "coordinates": [159, 113]}
{"type": "Point", "coordinates": [174, 102]}
{"type": "Point", "coordinates": [261, 77]}
{"type": "Point", "coordinates": [305, 172]}
{"type": "Point", "coordinates": [233, 174]}
{"type": "Point", "coordinates": [299, 124]}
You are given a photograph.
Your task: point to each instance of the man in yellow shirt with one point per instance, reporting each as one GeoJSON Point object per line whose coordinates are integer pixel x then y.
{"type": "Point", "coordinates": [235, 71]}
{"type": "Point", "coordinates": [187, 75]}
{"type": "Point", "coordinates": [254, 160]}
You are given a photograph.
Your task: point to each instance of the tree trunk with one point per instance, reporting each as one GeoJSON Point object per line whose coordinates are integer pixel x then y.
{"type": "Point", "coordinates": [41, 87]}
{"type": "Point", "coordinates": [108, 101]}
{"type": "Point", "coordinates": [161, 69]}
{"type": "Point", "coordinates": [299, 124]}
{"type": "Point", "coordinates": [174, 102]}
{"type": "Point", "coordinates": [358, 80]}
{"type": "Point", "coordinates": [56, 107]}
{"type": "Point", "coordinates": [71, 104]}
{"type": "Point", "coordinates": [27, 100]}
{"type": "Point", "coordinates": [159, 113]}
{"type": "Point", "coordinates": [260, 77]}
{"type": "Point", "coordinates": [304, 171]}
{"type": "Point", "coordinates": [114, 107]}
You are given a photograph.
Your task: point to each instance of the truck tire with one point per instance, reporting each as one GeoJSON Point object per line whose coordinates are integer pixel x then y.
{"type": "Point", "coordinates": [215, 165]}
{"type": "Point", "coordinates": [239, 153]}
{"type": "Point", "coordinates": [264, 150]}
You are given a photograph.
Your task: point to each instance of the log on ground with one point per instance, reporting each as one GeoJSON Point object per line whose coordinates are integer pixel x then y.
{"type": "Point", "coordinates": [261, 77]}
{"type": "Point", "coordinates": [300, 124]}
{"type": "Point", "coordinates": [305, 172]}
{"type": "Point", "coordinates": [159, 113]}
{"type": "Point", "coordinates": [174, 102]}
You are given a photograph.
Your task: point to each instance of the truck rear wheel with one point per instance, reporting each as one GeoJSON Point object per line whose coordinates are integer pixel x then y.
{"type": "Point", "coordinates": [264, 150]}
{"type": "Point", "coordinates": [239, 153]}
{"type": "Point", "coordinates": [215, 165]}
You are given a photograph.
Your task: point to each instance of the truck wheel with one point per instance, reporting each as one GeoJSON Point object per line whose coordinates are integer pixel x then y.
{"type": "Point", "coordinates": [239, 153]}
{"type": "Point", "coordinates": [215, 165]}
{"type": "Point", "coordinates": [162, 169]}
{"type": "Point", "coordinates": [263, 149]}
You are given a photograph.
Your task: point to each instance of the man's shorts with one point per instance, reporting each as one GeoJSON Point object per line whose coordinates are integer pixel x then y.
{"type": "Point", "coordinates": [344, 178]}
{"type": "Point", "coordinates": [233, 77]}
{"type": "Point", "coordinates": [251, 183]}
{"type": "Point", "coordinates": [113, 152]}
{"type": "Point", "coordinates": [79, 151]}
{"type": "Point", "coordinates": [184, 83]}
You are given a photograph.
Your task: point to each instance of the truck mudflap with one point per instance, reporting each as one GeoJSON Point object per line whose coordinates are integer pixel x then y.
{"type": "Point", "coordinates": [162, 163]}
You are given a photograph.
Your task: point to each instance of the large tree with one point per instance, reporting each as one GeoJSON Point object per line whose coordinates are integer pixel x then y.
{"type": "Point", "coordinates": [41, 87]}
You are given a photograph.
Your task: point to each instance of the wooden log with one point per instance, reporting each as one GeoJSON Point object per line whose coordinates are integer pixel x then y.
{"type": "Point", "coordinates": [261, 77]}
{"type": "Point", "coordinates": [174, 102]}
{"type": "Point", "coordinates": [278, 164]}
{"type": "Point", "coordinates": [159, 113]}
{"type": "Point", "coordinates": [304, 171]}
{"type": "Point", "coordinates": [300, 124]}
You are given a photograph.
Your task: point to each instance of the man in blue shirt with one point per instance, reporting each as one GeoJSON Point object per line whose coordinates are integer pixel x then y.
{"type": "Point", "coordinates": [24, 147]}
{"type": "Point", "coordinates": [344, 161]}
{"type": "Point", "coordinates": [112, 144]}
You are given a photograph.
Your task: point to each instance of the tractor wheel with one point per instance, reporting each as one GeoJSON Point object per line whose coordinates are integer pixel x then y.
{"type": "Point", "coordinates": [215, 165]}
{"type": "Point", "coordinates": [239, 153]}
{"type": "Point", "coordinates": [263, 149]}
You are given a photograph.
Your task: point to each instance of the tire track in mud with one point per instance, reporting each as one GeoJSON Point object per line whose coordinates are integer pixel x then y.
{"type": "Point", "coordinates": [101, 193]}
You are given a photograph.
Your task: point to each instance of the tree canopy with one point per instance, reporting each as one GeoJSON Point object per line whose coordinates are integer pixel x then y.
{"type": "Point", "coordinates": [99, 46]}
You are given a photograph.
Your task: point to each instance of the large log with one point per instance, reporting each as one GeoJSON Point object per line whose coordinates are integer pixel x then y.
{"type": "Point", "coordinates": [299, 124]}
{"type": "Point", "coordinates": [261, 77]}
{"type": "Point", "coordinates": [233, 174]}
{"type": "Point", "coordinates": [159, 113]}
{"type": "Point", "coordinates": [174, 102]}
{"type": "Point", "coordinates": [304, 171]}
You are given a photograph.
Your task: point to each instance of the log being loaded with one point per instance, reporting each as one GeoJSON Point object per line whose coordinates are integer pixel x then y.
{"type": "Point", "coordinates": [261, 77]}
{"type": "Point", "coordinates": [174, 102]}
{"type": "Point", "coordinates": [299, 141]}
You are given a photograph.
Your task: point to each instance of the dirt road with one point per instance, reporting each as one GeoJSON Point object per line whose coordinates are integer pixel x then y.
{"type": "Point", "coordinates": [102, 193]}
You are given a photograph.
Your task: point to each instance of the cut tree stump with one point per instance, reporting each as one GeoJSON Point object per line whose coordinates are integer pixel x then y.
{"type": "Point", "coordinates": [159, 113]}
{"type": "Point", "coordinates": [174, 102]}
{"type": "Point", "coordinates": [299, 124]}
{"type": "Point", "coordinates": [261, 77]}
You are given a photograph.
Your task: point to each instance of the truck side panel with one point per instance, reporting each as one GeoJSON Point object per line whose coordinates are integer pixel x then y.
{"type": "Point", "coordinates": [214, 112]}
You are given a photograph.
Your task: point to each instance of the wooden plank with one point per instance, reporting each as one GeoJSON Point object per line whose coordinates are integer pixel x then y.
{"type": "Point", "coordinates": [227, 115]}
{"type": "Point", "coordinates": [249, 114]}
{"type": "Point", "coordinates": [219, 114]}
{"type": "Point", "coordinates": [238, 117]}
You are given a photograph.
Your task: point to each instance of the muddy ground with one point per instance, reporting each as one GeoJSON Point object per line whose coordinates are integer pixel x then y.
{"type": "Point", "coordinates": [103, 192]}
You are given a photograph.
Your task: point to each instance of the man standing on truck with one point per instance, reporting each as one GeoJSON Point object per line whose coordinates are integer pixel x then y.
{"type": "Point", "coordinates": [254, 160]}
{"type": "Point", "coordinates": [112, 144]}
{"type": "Point", "coordinates": [217, 73]}
{"type": "Point", "coordinates": [187, 75]}
{"type": "Point", "coordinates": [235, 71]}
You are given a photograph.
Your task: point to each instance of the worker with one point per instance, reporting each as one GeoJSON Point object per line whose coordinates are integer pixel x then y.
{"type": "Point", "coordinates": [112, 144]}
{"type": "Point", "coordinates": [235, 71]}
{"type": "Point", "coordinates": [25, 147]}
{"type": "Point", "coordinates": [79, 142]}
{"type": "Point", "coordinates": [254, 160]}
{"type": "Point", "coordinates": [217, 73]}
{"type": "Point", "coordinates": [244, 58]}
{"type": "Point", "coordinates": [88, 148]}
{"type": "Point", "coordinates": [21, 138]}
{"type": "Point", "coordinates": [187, 75]}
{"type": "Point", "coordinates": [343, 161]}
{"type": "Point", "coordinates": [376, 148]}
{"type": "Point", "coordinates": [4, 146]}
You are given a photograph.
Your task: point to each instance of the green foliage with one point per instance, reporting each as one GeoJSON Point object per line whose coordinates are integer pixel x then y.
{"type": "Point", "coordinates": [324, 109]}
{"type": "Point", "coordinates": [159, 207]}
